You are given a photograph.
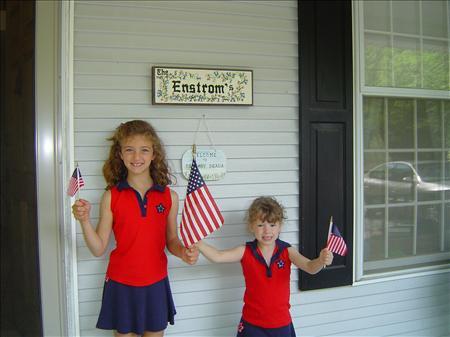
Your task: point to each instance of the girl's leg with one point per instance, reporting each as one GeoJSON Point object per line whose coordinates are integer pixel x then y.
{"type": "Point", "coordinates": [131, 334]}
{"type": "Point", "coordinates": [153, 333]}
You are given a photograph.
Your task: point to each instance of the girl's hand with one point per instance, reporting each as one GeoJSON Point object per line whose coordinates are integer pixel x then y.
{"type": "Point", "coordinates": [81, 210]}
{"type": "Point", "coordinates": [326, 257]}
{"type": "Point", "coordinates": [190, 255]}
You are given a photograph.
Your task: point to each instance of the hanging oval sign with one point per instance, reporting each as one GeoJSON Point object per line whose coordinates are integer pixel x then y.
{"type": "Point", "coordinates": [211, 163]}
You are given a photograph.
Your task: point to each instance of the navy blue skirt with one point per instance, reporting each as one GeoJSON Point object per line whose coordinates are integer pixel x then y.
{"type": "Point", "coordinates": [245, 329]}
{"type": "Point", "coordinates": [136, 309]}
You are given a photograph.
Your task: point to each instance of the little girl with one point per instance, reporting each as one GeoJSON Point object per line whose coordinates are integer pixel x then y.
{"type": "Point", "coordinates": [266, 264]}
{"type": "Point", "coordinates": [142, 212]}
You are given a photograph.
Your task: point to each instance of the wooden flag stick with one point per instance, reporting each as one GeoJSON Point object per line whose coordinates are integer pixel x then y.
{"type": "Point", "coordinates": [329, 228]}
{"type": "Point", "coordinates": [329, 232]}
{"type": "Point", "coordinates": [78, 182]}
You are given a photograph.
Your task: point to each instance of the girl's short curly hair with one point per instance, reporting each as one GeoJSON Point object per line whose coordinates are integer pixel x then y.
{"type": "Point", "coordinates": [265, 209]}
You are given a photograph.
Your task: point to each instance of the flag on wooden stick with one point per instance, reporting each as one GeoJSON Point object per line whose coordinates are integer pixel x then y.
{"type": "Point", "coordinates": [76, 182]}
{"type": "Point", "coordinates": [335, 242]}
{"type": "Point", "coordinates": [200, 215]}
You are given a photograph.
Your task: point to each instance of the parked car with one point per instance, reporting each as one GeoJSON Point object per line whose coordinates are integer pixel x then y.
{"type": "Point", "coordinates": [402, 179]}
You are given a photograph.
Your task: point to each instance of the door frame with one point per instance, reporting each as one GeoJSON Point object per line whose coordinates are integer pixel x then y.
{"type": "Point", "coordinates": [54, 153]}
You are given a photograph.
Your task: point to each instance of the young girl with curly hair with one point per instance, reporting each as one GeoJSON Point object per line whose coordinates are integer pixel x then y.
{"type": "Point", "coordinates": [266, 265]}
{"type": "Point", "coordinates": [141, 210]}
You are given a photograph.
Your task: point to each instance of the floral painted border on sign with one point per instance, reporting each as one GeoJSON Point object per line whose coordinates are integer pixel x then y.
{"type": "Point", "coordinates": [202, 86]}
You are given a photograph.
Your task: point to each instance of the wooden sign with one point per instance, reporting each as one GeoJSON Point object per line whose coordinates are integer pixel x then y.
{"type": "Point", "coordinates": [202, 86]}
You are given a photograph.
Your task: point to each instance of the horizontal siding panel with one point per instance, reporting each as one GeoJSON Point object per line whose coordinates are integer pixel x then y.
{"type": "Point", "coordinates": [430, 326]}
{"type": "Point", "coordinates": [176, 57]}
{"type": "Point", "coordinates": [436, 326]}
{"type": "Point", "coordinates": [190, 43]}
{"type": "Point", "coordinates": [150, 29]}
{"type": "Point", "coordinates": [104, 127]}
{"type": "Point", "coordinates": [375, 288]}
{"type": "Point", "coordinates": [91, 332]}
{"type": "Point", "coordinates": [363, 303]}
{"type": "Point", "coordinates": [371, 320]}
{"type": "Point", "coordinates": [184, 141]}
{"type": "Point", "coordinates": [279, 9]}
{"type": "Point", "coordinates": [147, 111]}
{"type": "Point", "coordinates": [123, 11]}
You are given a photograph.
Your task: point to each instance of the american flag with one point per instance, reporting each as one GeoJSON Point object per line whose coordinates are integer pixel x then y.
{"type": "Point", "coordinates": [336, 242]}
{"type": "Point", "coordinates": [200, 215]}
{"type": "Point", "coordinates": [76, 182]}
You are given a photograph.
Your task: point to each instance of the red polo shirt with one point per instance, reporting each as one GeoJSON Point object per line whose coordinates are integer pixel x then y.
{"type": "Point", "coordinates": [267, 288]}
{"type": "Point", "coordinates": [139, 227]}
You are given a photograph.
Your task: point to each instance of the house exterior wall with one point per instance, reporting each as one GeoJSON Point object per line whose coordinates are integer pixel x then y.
{"type": "Point", "coordinates": [115, 45]}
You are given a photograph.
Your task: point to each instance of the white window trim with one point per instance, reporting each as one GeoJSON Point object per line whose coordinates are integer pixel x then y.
{"type": "Point", "coordinates": [361, 90]}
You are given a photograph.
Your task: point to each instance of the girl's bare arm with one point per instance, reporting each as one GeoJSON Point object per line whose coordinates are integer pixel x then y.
{"type": "Point", "coordinates": [219, 256]}
{"type": "Point", "coordinates": [310, 266]}
{"type": "Point", "coordinates": [96, 240]}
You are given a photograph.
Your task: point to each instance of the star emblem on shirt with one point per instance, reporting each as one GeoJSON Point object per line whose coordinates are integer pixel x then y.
{"type": "Point", "coordinates": [280, 264]}
{"type": "Point", "coordinates": [240, 327]}
{"type": "Point", "coordinates": [160, 208]}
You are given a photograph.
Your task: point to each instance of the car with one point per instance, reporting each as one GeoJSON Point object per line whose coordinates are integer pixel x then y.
{"type": "Point", "coordinates": [398, 181]}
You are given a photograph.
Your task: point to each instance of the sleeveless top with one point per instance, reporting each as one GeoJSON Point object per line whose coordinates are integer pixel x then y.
{"type": "Point", "coordinates": [267, 288]}
{"type": "Point", "coordinates": [139, 227]}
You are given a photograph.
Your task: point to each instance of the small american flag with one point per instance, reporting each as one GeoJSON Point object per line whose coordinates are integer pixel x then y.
{"type": "Point", "coordinates": [336, 242]}
{"type": "Point", "coordinates": [200, 215]}
{"type": "Point", "coordinates": [76, 182]}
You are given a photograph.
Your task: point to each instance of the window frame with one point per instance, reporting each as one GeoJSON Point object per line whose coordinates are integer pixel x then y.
{"type": "Point", "coordinates": [360, 91]}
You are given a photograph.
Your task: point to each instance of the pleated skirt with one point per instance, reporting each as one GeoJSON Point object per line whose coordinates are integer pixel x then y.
{"type": "Point", "coordinates": [136, 309]}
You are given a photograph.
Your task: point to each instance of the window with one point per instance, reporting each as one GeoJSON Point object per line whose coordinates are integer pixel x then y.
{"type": "Point", "coordinates": [404, 109]}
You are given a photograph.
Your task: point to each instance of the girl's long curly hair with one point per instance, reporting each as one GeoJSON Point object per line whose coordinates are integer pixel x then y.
{"type": "Point", "coordinates": [114, 169]}
{"type": "Point", "coordinates": [265, 209]}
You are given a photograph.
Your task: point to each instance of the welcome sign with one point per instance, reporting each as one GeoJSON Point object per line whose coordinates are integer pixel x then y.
{"type": "Point", "coordinates": [211, 163]}
{"type": "Point", "coordinates": [202, 86]}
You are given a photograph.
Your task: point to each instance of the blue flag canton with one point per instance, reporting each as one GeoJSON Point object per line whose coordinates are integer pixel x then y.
{"type": "Point", "coordinates": [195, 178]}
{"type": "Point", "coordinates": [335, 231]}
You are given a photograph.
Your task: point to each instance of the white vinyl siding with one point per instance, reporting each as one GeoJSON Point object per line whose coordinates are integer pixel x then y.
{"type": "Point", "coordinates": [115, 45]}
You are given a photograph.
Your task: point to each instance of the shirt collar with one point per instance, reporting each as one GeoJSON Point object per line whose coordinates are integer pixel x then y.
{"type": "Point", "coordinates": [279, 243]}
{"type": "Point", "coordinates": [280, 246]}
{"type": "Point", "coordinates": [123, 184]}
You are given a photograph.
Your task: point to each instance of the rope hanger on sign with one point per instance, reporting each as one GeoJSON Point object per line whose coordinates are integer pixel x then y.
{"type": "Point", "coordinates": [194, 147]}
